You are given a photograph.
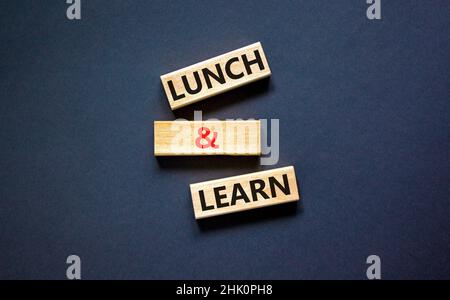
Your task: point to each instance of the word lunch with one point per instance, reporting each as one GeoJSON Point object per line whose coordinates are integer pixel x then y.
{"type": "Point", "coordinates": [173, 138]}
{"type": "Point", "coordinates": [215, 75]}
{"type": "Point", "coordinates": [244, 192]}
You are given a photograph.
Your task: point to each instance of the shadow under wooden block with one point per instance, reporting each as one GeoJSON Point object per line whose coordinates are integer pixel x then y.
{"type": "Point", "coordinates": [265, 214]}
{"type": "Point", "coordinates": [248, 93]}
{"type": "Point", "coordinates": [238, 163]}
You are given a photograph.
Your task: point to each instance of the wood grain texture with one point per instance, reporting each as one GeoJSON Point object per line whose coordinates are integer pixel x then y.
{"type": "Point", "coordinates": [174, 138]}
{"type": "Point", "coordinates": [215, 75]}
{"type": "Point", "coordinates": [244, 192]}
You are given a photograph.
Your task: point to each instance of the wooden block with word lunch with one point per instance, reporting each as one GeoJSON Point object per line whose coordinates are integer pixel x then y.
{"type": "Point", "coordinates": [215, 75]}
{"type": "Point", "coordinates": [244, 192]}
{"type": "Point", "coordinates": [173, 138]}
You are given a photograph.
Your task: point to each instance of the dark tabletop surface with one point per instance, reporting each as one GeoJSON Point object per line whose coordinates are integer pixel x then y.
{"type": "Point", "coordinates": [364, 110]}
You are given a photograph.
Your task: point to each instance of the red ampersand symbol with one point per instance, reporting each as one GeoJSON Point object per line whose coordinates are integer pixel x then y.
{"type": "Point", "coordinates": [203, 133]}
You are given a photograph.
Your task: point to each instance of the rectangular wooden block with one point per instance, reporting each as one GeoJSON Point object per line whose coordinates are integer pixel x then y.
{"type": "Point", "coordinates": [207, 138]}
{"type": "Point", "coordinates": [215, 75]}
{"type": "Point", "coordinates": [244, 192]}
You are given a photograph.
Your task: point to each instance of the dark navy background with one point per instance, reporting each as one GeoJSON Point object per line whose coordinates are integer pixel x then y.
{"type": "Point", "coordinates": [364, 109]}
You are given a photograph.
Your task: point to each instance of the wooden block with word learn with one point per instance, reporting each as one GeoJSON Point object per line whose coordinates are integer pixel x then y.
{"type": "Point", "coordinates": [174, 138]}
{"type": "Point", "coordinates": [244, 192]}
{"type": "Point", "coordinates": [215, 75]}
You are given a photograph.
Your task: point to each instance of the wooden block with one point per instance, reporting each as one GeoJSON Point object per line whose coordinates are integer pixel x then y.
{"type": "Point", "coordinates": [207, 138]}
{"type": "Point", "coordinates": [215, 75]}
{"type": "Point", "coordinates": [244, 192]}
